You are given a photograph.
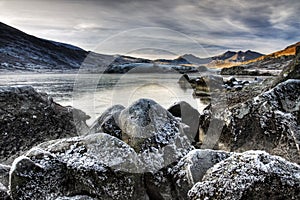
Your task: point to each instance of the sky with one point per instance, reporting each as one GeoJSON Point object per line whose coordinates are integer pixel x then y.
{"type": "Point", "coordinates": [162, 28]}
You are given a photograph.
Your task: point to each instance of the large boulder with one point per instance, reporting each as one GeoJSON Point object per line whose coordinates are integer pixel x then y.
{"type": "Point", "coordinates": [189, 116]}
{"type": "Point", "coordinates": [174, 181]}
{"type": "Point", "coordinates": [98, 166]}
{"type": "Point", "coordinates": [107, 122]}
{"type": "Point", "coordinates": [269, 121]}
{"type": "Point", "coordinates": [154, 133]}
{"type": "Point", "coordinates": [191, 169]}
{"type": "Point", "coordinates": [28, 118]}
{"type": "Point", "coordinates": [250, 175]}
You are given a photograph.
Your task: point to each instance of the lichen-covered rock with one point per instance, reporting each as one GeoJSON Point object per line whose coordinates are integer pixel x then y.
{"type": "Point", "coordinates": [250, 175]}
{"type": "Point", "coordinates": [107, 122]}
{"type": "Point", "coordinates": [97, 165]}
{"type": "Point", "coordinates": [154, 133]}
{"type": "Point", "coordinates": [189, 116]}
{"type": "Point", "coordinates": [191, 168]}
{"type": "Point", "coordinates": [4, 174]}
{"type": "Point", "coordinates": [28, 118]}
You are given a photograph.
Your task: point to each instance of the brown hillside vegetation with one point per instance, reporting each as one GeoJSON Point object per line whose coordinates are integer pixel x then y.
{"type": "Point", "coordinates": [288, 51]}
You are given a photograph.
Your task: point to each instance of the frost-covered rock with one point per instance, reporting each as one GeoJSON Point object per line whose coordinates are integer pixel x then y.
{"type": "Point", "coordinates": [4, 192]}
{"type": "Point", "coordinates": [159, 185]}
{"type": "Point", "coordinates": [191, 168]}
{"type": "Point", "coordinates": [250, 175]}
{"type": "Point", "coordinates": [107, 122]}
{"type": "Point", "coordinates": [4, 174]}
{"type": "Point", "coordinates": [154, 133]}
{"type": "Point", "coordinates": [28, 118]}
{"type": "Point", "coordinates": [189, 116]}
{"type": "Point", "coordinates": [269, 121]}
{"type": "Point", "coordinates": [98, 165]}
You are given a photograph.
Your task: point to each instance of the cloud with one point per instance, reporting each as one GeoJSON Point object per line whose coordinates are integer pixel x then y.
{"type": "Point", "coordinates": [264, 26]}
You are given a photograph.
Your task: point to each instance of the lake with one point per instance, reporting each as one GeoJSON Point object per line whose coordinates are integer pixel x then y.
{"type": "Point", "coordinates": [94, 93]}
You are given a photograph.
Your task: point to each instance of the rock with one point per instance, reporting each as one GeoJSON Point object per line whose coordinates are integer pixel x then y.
{"type": "Point", "coordinates": [184, 78]}
{"type": "Point", "coordinates": [28, 118]}
{"type": "Point", "coordinates": [191, 168]}
{"type": "Point", "coordinates": [159, 185]}
{"type": "Point", "coordinates": [97, 165]}
{"type": "Point", "coordinates": [269, 121]}
{"type": "Point", "coordinates": [189, 116]}
{"type": "Point", "coordinates": [107, 122]}
{"type": "Point", "coordinates": [4, 175]}
{"type": "Point", "coordinates": [4, 193]}
{"type": "Point", "coordinates": [154, 133]}
{"type": "Point", "coordinates": [250, 175]}
{"type": "Point", "coordinates": [235, 70]}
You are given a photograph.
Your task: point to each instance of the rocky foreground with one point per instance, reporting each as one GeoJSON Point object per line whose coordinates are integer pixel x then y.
{"type": "Point", "coordinates": [246, 149]}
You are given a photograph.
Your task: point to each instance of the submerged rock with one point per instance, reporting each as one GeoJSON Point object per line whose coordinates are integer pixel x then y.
{"type": "Point", "coordinates": [97, 165]}
{"type": "Point", "coordinates": [250, 175]}
{"type": "Point", "coordinates": [107, 122]}
{"type": "Point", "coordinates": [154, 133]}
{"type": "Point", "coordinates": [28, 118]}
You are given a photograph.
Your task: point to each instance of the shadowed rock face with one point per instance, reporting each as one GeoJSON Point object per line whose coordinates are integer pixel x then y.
{"type": "Point", "coordinates": [189, 116]}
{"type": "Point", "coordinates": [191, 169]}
{"type": "Point", "coordinates": [250, 175]}
{"type": "Point", "coordinates": [108, 122]}
{"type": "Point", "coordinates": [28, 118]}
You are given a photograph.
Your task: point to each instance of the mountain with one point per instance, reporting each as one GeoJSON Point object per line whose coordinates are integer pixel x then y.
{"type": "Point", "coordinates": [239, 56]}
{"type": "Point", "coordinates": [271, 64]}
{"type": "Point", "coordinates": [225, 58]}
{"type": "Point", "coordinates": [21, 51]}
{"type": "Point", "coordinates": [288, 51]}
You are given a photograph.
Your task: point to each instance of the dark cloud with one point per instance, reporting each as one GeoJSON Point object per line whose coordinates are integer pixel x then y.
{"type": "Point", "coordinates": [216, 25]}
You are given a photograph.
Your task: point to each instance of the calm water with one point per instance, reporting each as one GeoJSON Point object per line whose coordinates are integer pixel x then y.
{"type": "Point", "coordinates": [94, 93]}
